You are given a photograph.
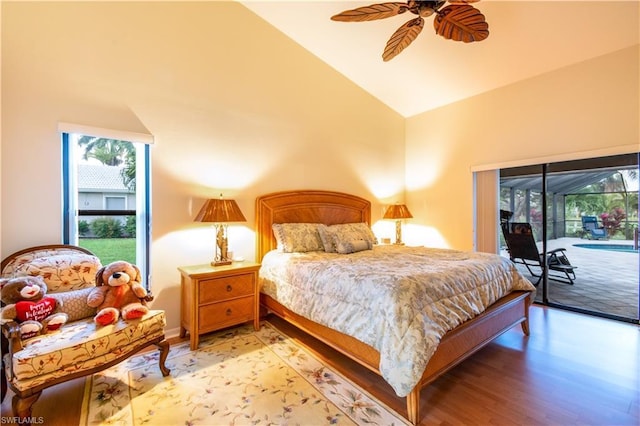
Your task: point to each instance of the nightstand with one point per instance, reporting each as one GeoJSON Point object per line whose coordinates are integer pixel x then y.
{"type": "Point", "coordinates": [215, 297]}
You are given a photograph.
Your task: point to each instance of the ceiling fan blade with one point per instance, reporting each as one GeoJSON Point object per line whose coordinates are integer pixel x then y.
{"type": "Point", "coordinates": [370, 13]}
{"type": "Point", "coordinates": [402, 38]}
{"type": "Point", "coordinates": [461, 23]}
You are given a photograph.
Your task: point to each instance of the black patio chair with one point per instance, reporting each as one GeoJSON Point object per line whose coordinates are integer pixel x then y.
{"type": "Point", "coordinates": [523, 249]}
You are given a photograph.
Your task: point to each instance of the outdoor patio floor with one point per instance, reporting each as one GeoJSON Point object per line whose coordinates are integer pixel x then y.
{"type": "Point", "coordinates": [606, 281]}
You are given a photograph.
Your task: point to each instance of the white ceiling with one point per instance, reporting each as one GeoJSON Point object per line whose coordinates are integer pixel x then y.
{"type": "Point", "coordinates": [527, 38]}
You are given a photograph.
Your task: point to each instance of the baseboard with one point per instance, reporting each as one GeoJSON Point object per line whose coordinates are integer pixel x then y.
{"type": "Point", "coordinates": [172, 333]}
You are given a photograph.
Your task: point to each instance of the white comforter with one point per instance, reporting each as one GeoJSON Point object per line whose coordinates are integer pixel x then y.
{"type": "Point", "coordinates": [399, 300]}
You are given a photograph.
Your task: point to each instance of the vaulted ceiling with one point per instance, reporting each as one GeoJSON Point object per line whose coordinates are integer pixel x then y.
{"type": "Point", "coordinates": [527, 38]}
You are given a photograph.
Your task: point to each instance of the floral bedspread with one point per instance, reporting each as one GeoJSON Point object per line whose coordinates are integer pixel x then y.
{"type": "Point", "coordinates": [399, 300]}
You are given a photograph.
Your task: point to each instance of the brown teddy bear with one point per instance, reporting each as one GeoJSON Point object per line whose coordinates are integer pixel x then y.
{"type": "Point", "coordinates": [25, 303]}
{"type": "Point", "coordinates": [118, 293]}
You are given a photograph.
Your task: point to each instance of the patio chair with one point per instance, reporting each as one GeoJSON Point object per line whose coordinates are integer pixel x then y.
{"type": "Point", "coordinates": [523, 249]}
{"type": "Point", "coordinates": [592, 230]}
{"type": "Point", "coordinates": [79, 348]}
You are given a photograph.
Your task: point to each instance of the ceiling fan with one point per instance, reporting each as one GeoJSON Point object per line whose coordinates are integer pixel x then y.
{"type": "Point", "coordinates": [457, 21]}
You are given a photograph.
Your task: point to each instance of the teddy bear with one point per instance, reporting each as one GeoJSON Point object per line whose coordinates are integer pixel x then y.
{"type": "Point", "coordinates": [26, 303]}
{"type": "Point", "coordinates": [118, 293]}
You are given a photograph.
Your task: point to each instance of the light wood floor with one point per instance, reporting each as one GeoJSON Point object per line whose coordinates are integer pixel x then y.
{"type": "Point", "coordinates": [572, 370]}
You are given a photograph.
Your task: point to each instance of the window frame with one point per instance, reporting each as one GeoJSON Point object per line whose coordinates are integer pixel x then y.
{"type": "Point", "coordinates": [71, 213]}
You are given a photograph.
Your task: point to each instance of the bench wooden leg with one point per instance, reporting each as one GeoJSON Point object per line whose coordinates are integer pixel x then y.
{"type": "Point", "coordinates": [4, 349]}
{"type": "Point", "coordinates": [22, 406]}
{"type": "Point", "coordinates": [3, 382]}
{"type": "Point", "coordinates": [164, 352]}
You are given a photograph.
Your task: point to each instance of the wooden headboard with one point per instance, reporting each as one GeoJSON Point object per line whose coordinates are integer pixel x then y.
{"type": "Point", "coordinates": [305, 206]}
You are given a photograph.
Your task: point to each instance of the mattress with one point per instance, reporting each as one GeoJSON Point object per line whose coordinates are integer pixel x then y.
{"type": "Point", "coordinates": [399, 300]}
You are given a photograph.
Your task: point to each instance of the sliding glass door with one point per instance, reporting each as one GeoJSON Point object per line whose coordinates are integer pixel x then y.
{"type": "Point", "coordinates": [584, 219]}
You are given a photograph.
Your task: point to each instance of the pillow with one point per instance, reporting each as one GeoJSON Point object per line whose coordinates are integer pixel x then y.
{"type": "Point", "coordinates": [297, 237]}
{"type": "Point", "coordinates": [328, 238]}
{"type": "Point", "coordinates": [74, 303]}
{"type": "Point", "coordinates": [345, 233]}
{"type": "Point", "coordinates": [346, 247]}
{"type": "Point", "coordinates": [62, 272]}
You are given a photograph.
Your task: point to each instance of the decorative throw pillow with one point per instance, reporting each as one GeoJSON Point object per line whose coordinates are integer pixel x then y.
{"type": "Point", "coordinates": [346, 247]}
{"type": "Point", "coordinates": [345, 234]}
{"type": "Point", "coordinates": [328, 238]}
{"type": "Point", "coordinates": [74, 303]}
{"type": "Point", "coordinates": [297, 237]}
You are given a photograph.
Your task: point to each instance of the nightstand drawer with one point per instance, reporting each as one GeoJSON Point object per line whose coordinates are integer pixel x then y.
{"type": "Point", "coordinates": [218, 315]}
{"type": "Point", "coordinates": [225, 288]}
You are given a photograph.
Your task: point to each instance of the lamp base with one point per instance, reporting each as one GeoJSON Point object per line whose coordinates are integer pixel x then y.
{"type": "Point", "coordinates": [220, 252]}
{"type": "Point", "coordinates": [398, 233]}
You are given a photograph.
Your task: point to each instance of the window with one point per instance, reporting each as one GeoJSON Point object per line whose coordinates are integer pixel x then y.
{"type": "Point", "coordinates": [106, 206]}
{"type": "Point", "coordinates": [114, 203]}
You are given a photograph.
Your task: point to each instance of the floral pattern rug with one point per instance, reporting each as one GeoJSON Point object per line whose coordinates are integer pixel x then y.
{"type": "Point", "coordinates": [236, 377]}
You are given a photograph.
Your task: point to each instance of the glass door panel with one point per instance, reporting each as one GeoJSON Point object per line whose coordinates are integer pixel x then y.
{"type": "Point", "coordinates": [592, 215]}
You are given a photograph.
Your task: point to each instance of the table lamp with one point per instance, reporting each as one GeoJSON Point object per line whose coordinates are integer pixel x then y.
{"type": "Point", "coordinates": [398, 212]}
{"type": "Point", "coordinates": [220, 212]}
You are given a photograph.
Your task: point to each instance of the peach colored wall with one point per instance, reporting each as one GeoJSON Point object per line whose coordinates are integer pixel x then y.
{"type": "Point", "coordinates": [243, 112]}
{"type": "Point", "coordinates": [590, 106]}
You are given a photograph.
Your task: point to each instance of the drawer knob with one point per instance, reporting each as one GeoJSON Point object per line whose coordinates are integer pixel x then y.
{"type": "Point", "coordinates": [228, 311]}
{"type": "Point", "coordinates": [229, 288]}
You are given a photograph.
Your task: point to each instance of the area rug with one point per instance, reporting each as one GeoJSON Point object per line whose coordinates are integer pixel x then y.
{"type": "Point", "coordinates": [236, 377]}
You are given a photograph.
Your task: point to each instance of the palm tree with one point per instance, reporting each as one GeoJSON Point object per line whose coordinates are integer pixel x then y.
{"type": "Point", "coordinates": [128, 172]}
{"type": "Point", "coordinates": [112, 152]}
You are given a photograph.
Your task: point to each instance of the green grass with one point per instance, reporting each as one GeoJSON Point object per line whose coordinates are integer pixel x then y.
{"type": "Point", "coordinates": [111, 249]}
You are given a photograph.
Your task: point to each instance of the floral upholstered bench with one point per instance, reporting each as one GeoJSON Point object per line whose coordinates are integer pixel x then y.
{"type": "Point", "coordinates": [80, 347]}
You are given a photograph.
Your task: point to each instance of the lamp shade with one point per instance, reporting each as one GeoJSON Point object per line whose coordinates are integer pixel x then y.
{"type": "Point", "coordinates": [220, 211]}
{"type": "Point", "coordinates": [397, 211]}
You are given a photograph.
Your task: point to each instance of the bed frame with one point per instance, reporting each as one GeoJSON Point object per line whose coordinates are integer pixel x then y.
{"type": "Point", "coordinates": [312, 206]}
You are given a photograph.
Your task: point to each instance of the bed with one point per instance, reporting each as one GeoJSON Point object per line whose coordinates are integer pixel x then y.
{"type": "Point", "coordinates": [334, 208]}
